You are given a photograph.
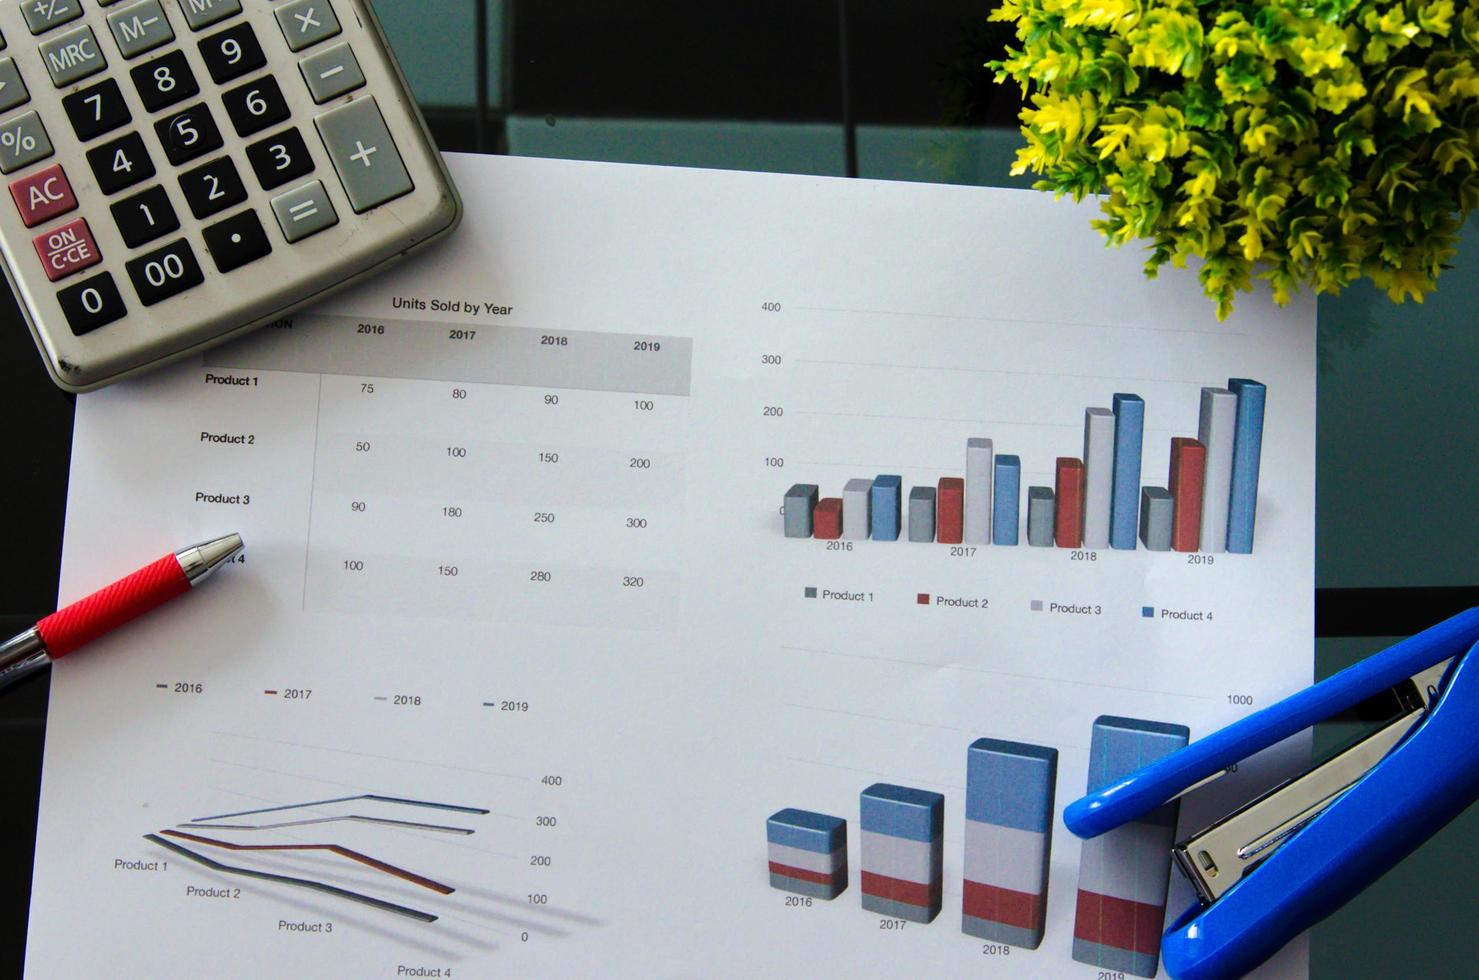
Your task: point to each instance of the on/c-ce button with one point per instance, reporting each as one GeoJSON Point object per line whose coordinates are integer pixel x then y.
{"type": "Point", "coordinates": [67, 249]}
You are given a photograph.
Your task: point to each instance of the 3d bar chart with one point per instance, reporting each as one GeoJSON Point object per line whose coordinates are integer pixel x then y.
{"type": "Point", "coordinates": [1009, 790]}
{"type": "Point", "coordinates": [807, 853]}
{"type": "Point", "coordinates": [902, 851]}
{"type": "Point", "coordinates": [1209, 503]}
{"type": "Point", "coordinates": [1124, 874]}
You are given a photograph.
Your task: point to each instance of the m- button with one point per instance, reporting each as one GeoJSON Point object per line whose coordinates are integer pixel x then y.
{"type": "Point", "coordinates": [43, 195]}
{"type": "Point", "coordinates": [68, 249]}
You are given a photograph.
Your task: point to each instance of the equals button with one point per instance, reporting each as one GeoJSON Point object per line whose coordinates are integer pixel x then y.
{"type": "Point", "coordinates": [304, 211]}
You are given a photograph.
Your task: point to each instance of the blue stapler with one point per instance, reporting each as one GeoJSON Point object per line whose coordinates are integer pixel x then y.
{"type": "Point", "coordinates": [1294, 855]}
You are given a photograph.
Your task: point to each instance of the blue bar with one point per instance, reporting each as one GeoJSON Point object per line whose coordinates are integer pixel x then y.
{"type": "Point", "coordinates": [886, 504]}
{"type": "Point", "coordinates": [1124, 501]}
{"type": "Point", "coordinates": [1008, 494]}
{"type": "Point", "coordinates": [1010, 784]}
{"type": "Point", "coordinates": [898, 811]}
{"type": "Point", "coordinates": [1242, 509]}
{"type": "Point", "coordinates": [806, 831]}
{"type": "Point", "coordinates": [1121, 746]}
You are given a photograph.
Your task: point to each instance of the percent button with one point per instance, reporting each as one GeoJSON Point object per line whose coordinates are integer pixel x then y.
{"type": "Point", "coordinates": [23, 141]}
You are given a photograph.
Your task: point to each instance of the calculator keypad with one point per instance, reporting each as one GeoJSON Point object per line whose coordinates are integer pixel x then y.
{"type": "Point", "coordinates": [121, 164]}
{"type": "Point", "coordinates": [12, 89]}
{"type": "Point", "coordinates": [232, 54]}
{"type": "Point", "coordinates": [140, 27]}
{"type": "Point", "coordinates": [72, 56]}
{"type": "Point", "coordinates": [145, 217]}
{"type": "Point", "coordinates": [97, 110]}
{"type": "Point", "coordinates": [212, 188]}
{"type": "Point", "coordinates": [188, 135]}
{"type": "Point", "coordinates": [256, 106]}
{"type": "Point", "coordinates": [237, 241]}
{"type": "Point", "coordinates": [280, 159]}
{"type": "Point", "coordinates": [164, 273]}
{"type": "Point", "coordinates": [286, 90]}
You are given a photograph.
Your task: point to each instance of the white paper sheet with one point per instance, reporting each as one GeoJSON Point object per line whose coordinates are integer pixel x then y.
{"type": "Point", "coordinates": [514, 546]}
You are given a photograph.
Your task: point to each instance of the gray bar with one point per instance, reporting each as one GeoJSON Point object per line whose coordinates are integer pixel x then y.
{"type": "Point", "coordinates": [801, 501]}
{"type": "Point", "coordinates": [979, 455]}
{"type": "Point", "coordinates": [489, 353]}
{"type": "Point", "coordinates": [999, 932]}
{"type": "Point", "coordinates": [922, 514]}
{"type": "Point", "coordinates": [1098, 475]}
{"type": "Point", "coordinates": [1041, 511]}
{"type": "Point", "coordinates": [1216, 429]}
{"type": "Point", "coordinates": [1155, 518]}
{"type": "Point", "coordinates": [857, 510]}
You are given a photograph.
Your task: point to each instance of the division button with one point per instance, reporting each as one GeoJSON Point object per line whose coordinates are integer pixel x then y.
{"type": "Point", "coordinates": [164, 273]}
{"type": "Point", "coordinates": [304, 211]}
{"type": "Point", "coordinates": [67, 250]}
{"type": "Point", "coordinates": [23, 141]}
{"type": "Point", "coordinates": [237, 241]}
{"type": "Point", "coordinates": [12, 89]}
{"type": "Point", "coordinates": [212, 187]}
{"type": "Point", "coordinates": [280, 159]}
{"type": "Point", "coordinates": [92, 303]}
{"type": "Point", "coordinates": [188, 135]}
{"type": "Point", "coordinates": [72, 56]}
{"type": "Point", "coordinates": [200, 14]}
{"type": "Point", "coordinates": [122, 163]}
{"type": "Point", "coordinates": [43, 195]}
{"type": "Point", "coordinates": [165, 81]}
{"type": "Point", "coordinates": [368, 162]}
{"type": "Point", "coordinates": [145, 217]}
{"type": "Point", "coordinates": [140, 27]}
{"type": "Point", "coordinates": [232, 53]}
{"type": "Point", "coordinates": [97, 110]}
{"type": "Point", "coordinates": [331, 73]}
{"type": "Point", "coordinates": [306, 22]}
{"type": "Point", "coordinates": [43, 15]}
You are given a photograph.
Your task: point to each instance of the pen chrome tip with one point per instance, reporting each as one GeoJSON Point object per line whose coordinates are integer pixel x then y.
{"type": "Point", "coordinates": [200, 561]}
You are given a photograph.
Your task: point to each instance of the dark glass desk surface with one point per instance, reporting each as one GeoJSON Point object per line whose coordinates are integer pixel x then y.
{"type": "Point", "coordinates": [890, 90]}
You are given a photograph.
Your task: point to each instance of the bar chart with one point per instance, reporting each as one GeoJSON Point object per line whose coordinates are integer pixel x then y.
{"type": "Point", "coordinates": [1098, 500]}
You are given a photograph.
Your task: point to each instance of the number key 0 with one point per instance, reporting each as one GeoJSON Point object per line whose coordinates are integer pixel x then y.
{"type": "Point", "coordinates": [232, 54]}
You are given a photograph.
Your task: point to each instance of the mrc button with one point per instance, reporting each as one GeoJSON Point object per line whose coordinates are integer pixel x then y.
{"type": "Point", "coordinates": [67, 249]}
{"type": "Point", "coordinates": [43, 195]}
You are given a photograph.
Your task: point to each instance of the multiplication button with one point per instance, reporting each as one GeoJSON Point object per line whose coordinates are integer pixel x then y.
{"type": "Point", "coordinates": [369, 165]}
{"type": "Point", "coordinates": [23, 141]}
{"type": "Point", "coordinates": [92, 303]}
{"type": "Point", "coordinates": [12, 88]}
{"type": "Point", "coordinates": [306, 22]}
{"type": "Point", "coordinates": [304, 211]}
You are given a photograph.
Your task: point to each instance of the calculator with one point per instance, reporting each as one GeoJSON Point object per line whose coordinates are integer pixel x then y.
{"type": "Point", "coordinates": [182, 171]}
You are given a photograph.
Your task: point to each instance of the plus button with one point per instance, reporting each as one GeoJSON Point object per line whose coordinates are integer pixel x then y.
{"type": "Point", "coordinates": [363, 156]}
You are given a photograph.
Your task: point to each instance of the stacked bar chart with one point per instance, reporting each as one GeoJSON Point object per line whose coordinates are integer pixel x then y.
{"type": "Point", "coordinates": [1209, 503]}
{"type": "Point", "coordinates": [903, 851]}
{"type": "Point", "coordinates": [807, 853]}
{"type": "Point", "coordinates": [1124, 875]}
{"type": "Point", "coordinates": [1009, 789]}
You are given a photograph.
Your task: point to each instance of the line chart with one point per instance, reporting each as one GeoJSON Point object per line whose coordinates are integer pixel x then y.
{"type": "Point", "coordinates": [345, 852]}
{"type": "Point", "coordinates": [347, 818]}
{"type": "Point", "coordinates": [372, 797]}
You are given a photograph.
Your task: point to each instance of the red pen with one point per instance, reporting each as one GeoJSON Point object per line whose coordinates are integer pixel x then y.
{"type": "Point", "coordinates": [107, 609]}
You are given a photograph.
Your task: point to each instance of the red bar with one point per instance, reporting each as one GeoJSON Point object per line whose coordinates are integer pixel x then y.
{"type": "Point", "coordinates": [826, 519]}
{"type": "Point", "coordinates": [1119, 922]}
{"type": "Point", "coordinates": [950, 510]}
{"type": "Point", "coordinates": [1069, 532]}
{"type": "Point", "coordinates": [898, 890]}
{"type": "Point", "coordinates": [1188, 471]}
{"type": "Point", "coordinates": [816, 877]}
{"type": "Point", "coordinates": [1012, 908]}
